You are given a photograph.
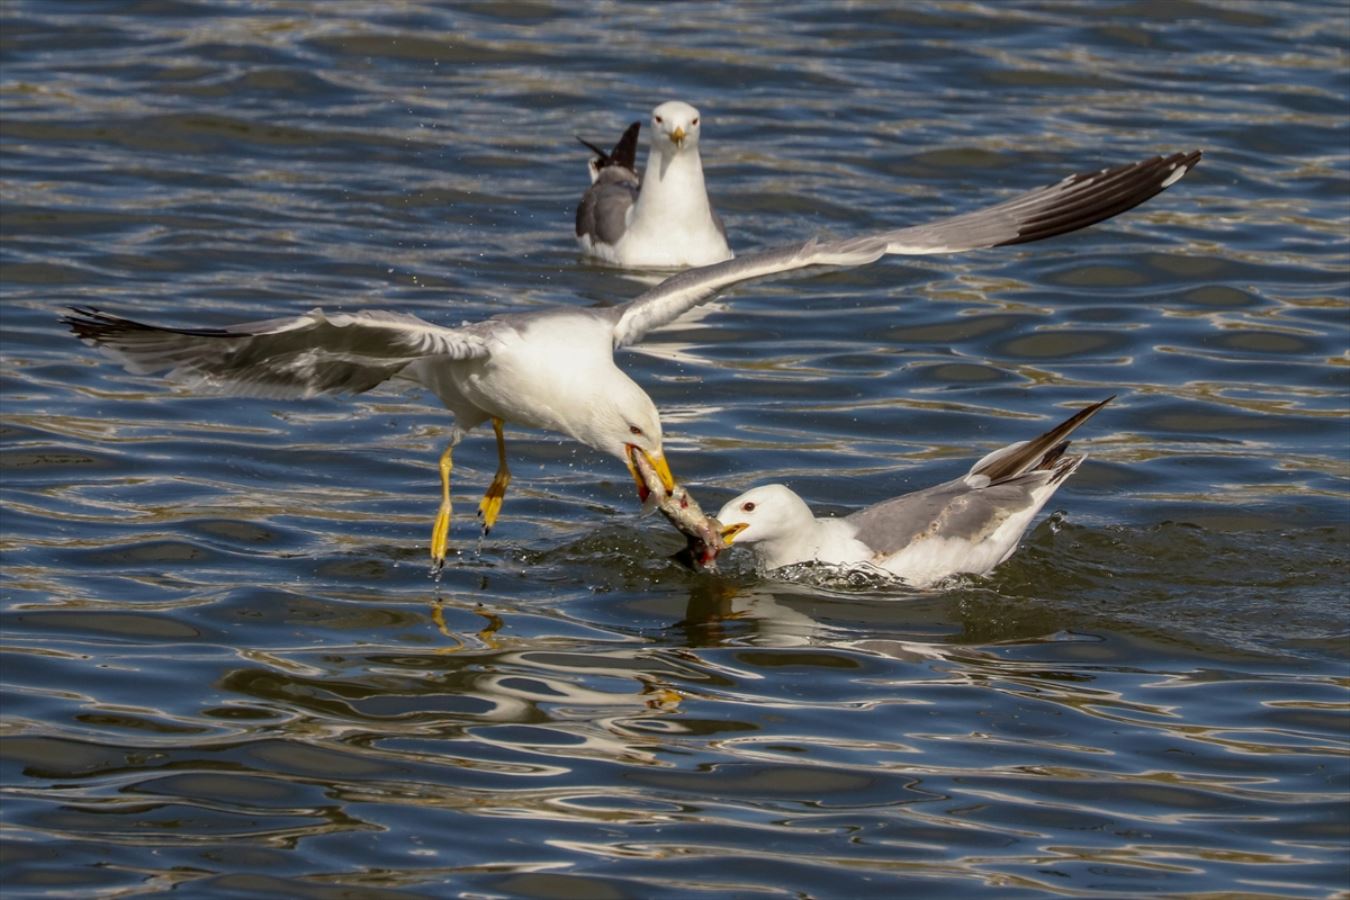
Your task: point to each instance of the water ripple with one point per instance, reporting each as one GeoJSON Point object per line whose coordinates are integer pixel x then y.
{"type": "Point", "coordinates": [226, 671]}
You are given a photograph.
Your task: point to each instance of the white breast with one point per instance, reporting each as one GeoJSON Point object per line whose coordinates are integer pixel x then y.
{"type": "Point", "coordinates": [671, 225]}
{"type": "Point", "coordinates": [535, 372]}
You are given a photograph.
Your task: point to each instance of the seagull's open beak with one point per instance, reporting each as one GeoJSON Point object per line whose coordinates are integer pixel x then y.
{"type": "Point", "coordinates": [654, 461]}
{"type": "Point", "coordinates": [677, 136]}
{"type": "Point", "coordinates": [729, 532]}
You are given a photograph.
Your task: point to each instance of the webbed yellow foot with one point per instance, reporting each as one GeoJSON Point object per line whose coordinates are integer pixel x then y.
{"type": "Point", "coordinates": [440, 532]}
{"type": "Point", "coordinates": [491, 504]}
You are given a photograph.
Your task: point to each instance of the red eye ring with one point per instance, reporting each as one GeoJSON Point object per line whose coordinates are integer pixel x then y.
{"type": "Point", "coordinates": [633, 429]}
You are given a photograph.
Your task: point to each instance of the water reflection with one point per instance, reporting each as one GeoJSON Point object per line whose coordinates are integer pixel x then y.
{"type": "Point", "coordinates": [225, 670]}
{"type": "Point", "coordinates": [780, 709]}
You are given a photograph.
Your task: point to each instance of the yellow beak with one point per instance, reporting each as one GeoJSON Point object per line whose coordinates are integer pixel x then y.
{"type": "Point", "coordinates": [658, 463]}
{"type": "Point", "coordinates": [729, 532]}
{"type": "Point", "coordinates": [677, 135]}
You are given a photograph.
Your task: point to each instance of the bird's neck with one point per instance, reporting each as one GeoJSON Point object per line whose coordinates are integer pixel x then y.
{"type": "Point", "coordinates": [594, 413]}
{"type": "Point", "coordinates": [674, 185]}
{"type": "Point", "coordinates": [826, 540]}
{"type": "Point", "coordinates": [800, 538]}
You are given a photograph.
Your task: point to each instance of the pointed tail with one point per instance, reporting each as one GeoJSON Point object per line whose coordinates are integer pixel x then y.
{"type": "Point", "coordinates": [1040, 453]}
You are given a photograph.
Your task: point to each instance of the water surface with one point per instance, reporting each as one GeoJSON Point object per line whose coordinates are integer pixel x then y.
{"type": "Point", "coordinates": [227, 672]}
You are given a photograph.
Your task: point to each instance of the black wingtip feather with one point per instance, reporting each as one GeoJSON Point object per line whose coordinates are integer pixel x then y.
{"type": "Point", "coordinates": [95, 326]}
{"type": "Point", "coordinates": [1130, 185]}
{"type": "Point", "coordinates": [600, 154]}
{"type": "Point", "coordinates": [90, 324]}
{"type": "Point", "coordinates": [1042, 452]}
{"type": "Point", "coordinates": [624, 153]}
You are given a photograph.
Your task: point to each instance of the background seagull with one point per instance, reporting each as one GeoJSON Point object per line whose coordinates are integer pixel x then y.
{"type": "Point", "coordinates": [663, 220]}
{"type": "Point", "coordinates": [969, 524]}
{"type": "Point", "coordinates": [554, 368]}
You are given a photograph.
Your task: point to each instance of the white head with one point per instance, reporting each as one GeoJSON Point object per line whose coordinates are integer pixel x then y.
{"type": "Point", "coordinates": [675, 128]}
{"type": "Point", "coordinates": [768, 513]}
{"type": "Point", "coordinates": [622, 420]}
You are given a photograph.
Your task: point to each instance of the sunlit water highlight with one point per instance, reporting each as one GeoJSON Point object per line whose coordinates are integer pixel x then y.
{"type": "Point", "coordinates": [227, 672]}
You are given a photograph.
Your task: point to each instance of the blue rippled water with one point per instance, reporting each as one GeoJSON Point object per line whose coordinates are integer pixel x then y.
{"type": "Point", "coordinates": [227, 672]}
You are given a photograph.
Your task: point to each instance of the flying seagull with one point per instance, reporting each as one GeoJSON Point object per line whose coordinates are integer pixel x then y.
{"type": "Point", "coordinates": [662, 220]}
{"type": "Point", "coordinates": [969, 524]}
{"type": "Point", "coordinates": [554, 369]}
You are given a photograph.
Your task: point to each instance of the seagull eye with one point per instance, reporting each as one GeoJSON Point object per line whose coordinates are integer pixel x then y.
{"type": "Point", "coordinates": [695, 122]}
{"type": "Point", "coordinates": [633, 429]}
{"type": "Point", "coordinates": [748, 506]}
{"type": "Point", "coordinates": [659, 120]}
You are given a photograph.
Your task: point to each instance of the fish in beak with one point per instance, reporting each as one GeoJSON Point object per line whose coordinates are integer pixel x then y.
{"type": "Point", "coordinates": [656, 462]}
{"type": "Point", "coordinates": [702, 532]}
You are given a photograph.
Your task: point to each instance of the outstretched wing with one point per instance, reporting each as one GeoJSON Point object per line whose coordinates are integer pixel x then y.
{"type": "Point", "coordinates": [1072, 203]}
{"type": "Point", "coordinates": [301, 356]}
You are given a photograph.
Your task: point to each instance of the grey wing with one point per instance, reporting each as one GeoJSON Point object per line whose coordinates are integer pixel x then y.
{"type": "Point", "coordinates": [300, 356]}
{"type": "Point", "coordinates": [972, 507]}
{"type": "Point", "coordinates": [602, 215]}
{"type": "Point", "coordinates": [894, 524]}
{"type": "Point", "coordinates": [950, 510]}
{"type": "Point", "coordinates": [1067, 205]}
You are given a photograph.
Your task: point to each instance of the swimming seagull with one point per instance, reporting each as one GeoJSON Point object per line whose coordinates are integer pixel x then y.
{"type": "Point", "coordinates": [967, 525]}
{"type": "Point", "coordinates": [554, 368]}
{"type": "Point", "coordinates": [662, 220]}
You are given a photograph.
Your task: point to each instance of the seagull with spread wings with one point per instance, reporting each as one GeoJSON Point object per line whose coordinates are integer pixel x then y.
{"type": "Point", "coordinates": [554, 369]}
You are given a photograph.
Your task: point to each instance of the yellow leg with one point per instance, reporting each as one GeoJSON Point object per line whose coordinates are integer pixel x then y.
{"type": "Point", "coordinates": [440, 533]}
{"type": "Point", "coordinates": [491, 503]}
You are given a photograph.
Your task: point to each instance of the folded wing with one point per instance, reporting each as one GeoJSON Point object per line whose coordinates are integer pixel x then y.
{"type": "Point", "coordinates": [602, 214]}
{"type": "Point", "coordinates": [1015, 479]}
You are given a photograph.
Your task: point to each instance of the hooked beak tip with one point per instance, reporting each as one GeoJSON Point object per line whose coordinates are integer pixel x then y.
{"type": "Point", "coordinates": [654, 461]}
{"type": "Point", "coordinates": [663, 472]}
{"type": "Point", "coordinates": [729, 532]}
